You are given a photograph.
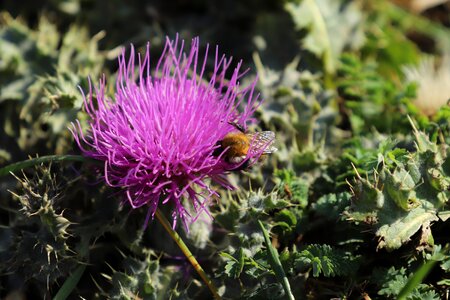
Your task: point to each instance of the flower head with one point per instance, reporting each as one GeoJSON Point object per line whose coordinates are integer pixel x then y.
{"type": "Point", "coordinates": [158, 136]}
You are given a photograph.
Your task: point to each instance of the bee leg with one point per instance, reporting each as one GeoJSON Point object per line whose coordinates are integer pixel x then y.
{"type": "Point", "coordinates": [242, 167]}
{"type": "Point", "coordinates": [237, 126]}
{"type": "Point", "coordinates": [218, 150]}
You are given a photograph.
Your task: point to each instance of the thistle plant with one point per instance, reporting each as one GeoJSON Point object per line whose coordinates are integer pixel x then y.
{"type": "Point", "coordinates": [40, 250]}
{"type": "Point", "coordinates": [158, 136]}
{"type": "Point", "coordinates": [409, 195]}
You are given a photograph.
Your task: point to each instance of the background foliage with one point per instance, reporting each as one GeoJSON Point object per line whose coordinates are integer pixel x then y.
{"type": "Point", "coordinates": [356, 199]}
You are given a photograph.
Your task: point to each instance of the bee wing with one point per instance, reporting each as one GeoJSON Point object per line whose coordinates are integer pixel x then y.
{"type": "Point", "coordinates": [263, 140]}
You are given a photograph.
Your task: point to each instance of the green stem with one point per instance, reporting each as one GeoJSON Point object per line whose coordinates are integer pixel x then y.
{"type": "Point", "coordinates": [274, 261]}
{"type": "Point", "coordinates": [165, 223]}
{"type": "Point", "coordinates": [38, 160]}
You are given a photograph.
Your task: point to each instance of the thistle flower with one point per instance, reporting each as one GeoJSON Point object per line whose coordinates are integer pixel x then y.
{"type": "Point", "coordinates": [434, 84]}
{"type": "Point", "coordinates": [158, 136]}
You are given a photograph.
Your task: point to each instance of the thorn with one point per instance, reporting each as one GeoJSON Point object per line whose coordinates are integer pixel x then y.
{"type": "Point", "coordinates": [412, 124]}
{"type": "Point", "coordinates": [357, 173]}
{"type": "Point", "coordinates": [351, 187]}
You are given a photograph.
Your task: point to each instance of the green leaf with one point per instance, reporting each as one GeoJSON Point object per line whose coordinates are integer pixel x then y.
{"type": "Point", "coordinates": [331, 27]}
{"type": "Point", "coordinates": [391, 280]}
{"type": "Point", "coordinates": [323, 259]}
{"type": "Point", "coordinates": [416, 279]}
{"type": "Point", "coordinates": [292, 187]}
{"type": "Point", "coordinates": [444, 282]}
{"type": "Point", "coordinates": [287, 217]}
{"type": "Point", "coordinates": [275, 263]}
{"type": "Point", "coordinates": [35, 161]}
{"type": "Point", "coordinates": [70, 284]}
{"type": "Point", "coordinates": [397, 229]}
{"type": "Point", "coordinates": [445, 265]}
{"type": "Point", "coordinates": [400, 186]}
{"type": "Point", "coordinates": [331, 206]}
{"type": "Point", "coordinates": [235, 264]}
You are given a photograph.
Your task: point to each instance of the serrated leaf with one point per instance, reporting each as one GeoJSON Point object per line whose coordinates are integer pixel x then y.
{"type": "Point", "coordinates": [323, 259]}
{"type": "Point", "coordinates": [397, 230]}
{"type": "Point", "coordinates": [446, 265]}
{"type": "Point", "coordinates": [391, 280]}
{"type": "Point", "coordinates": [426, 295]}
{"type": "Point", "coordinates": [411, 288]}
{"type": "Point", "coordinates": [235, 264]}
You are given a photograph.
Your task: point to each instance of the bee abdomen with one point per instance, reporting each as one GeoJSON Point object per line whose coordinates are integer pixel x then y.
{"type": "Point", "coordinates": [236, 159]}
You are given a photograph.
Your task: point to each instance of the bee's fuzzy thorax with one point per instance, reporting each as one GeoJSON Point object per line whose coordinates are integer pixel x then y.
{"type": "Point", "coordinates": [237, 142]}
{"type": "Point", "coordinates": [238, 148]}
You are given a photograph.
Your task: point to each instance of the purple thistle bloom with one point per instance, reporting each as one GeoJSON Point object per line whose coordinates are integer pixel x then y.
{"type": "Point", "coordinates": [158, 135]}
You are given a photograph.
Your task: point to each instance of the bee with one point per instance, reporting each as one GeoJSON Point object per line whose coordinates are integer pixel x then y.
{"type": "Point", "coordinates": [238, 143]}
